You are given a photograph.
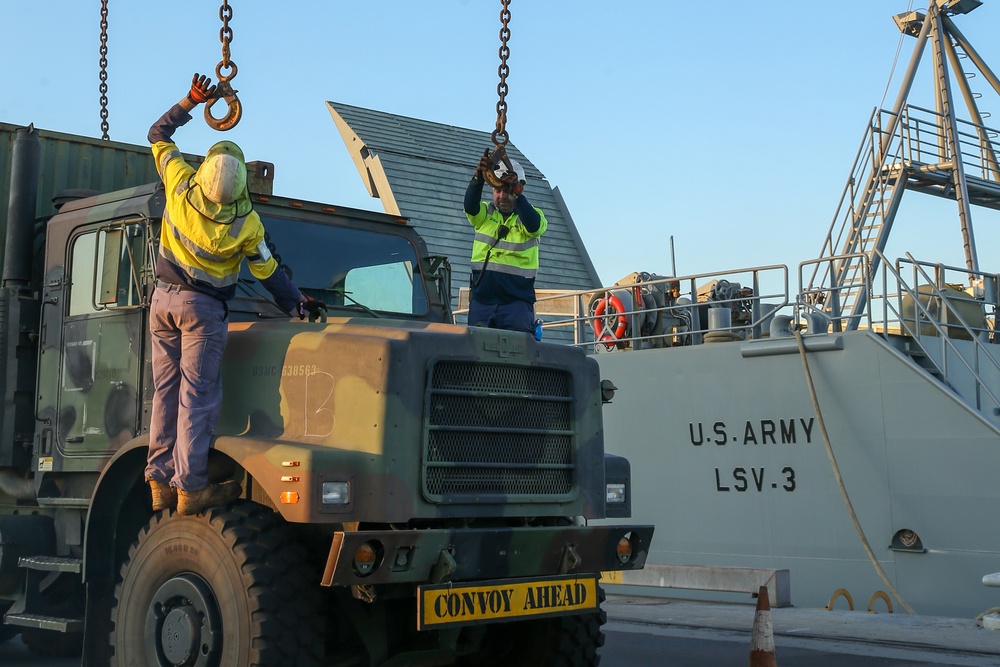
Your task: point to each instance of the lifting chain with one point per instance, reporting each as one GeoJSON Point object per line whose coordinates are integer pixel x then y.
{"type": "Point", "coordinates": [499, 135]}
{"type": "Point", "coordinates": [226, 37]}
{"type": "Point", "coordinates": [224, 89]}
{"type": "Point", "coordinates": [104, 71]}
{"type": "Point", "coordinates": [500, 164]}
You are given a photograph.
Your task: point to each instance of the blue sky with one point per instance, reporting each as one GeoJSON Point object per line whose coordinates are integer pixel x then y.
{"type": "Point", "coordinates": [731, 126]}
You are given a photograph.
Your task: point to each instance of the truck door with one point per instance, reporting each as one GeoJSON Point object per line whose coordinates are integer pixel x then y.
{"type": "Point", "coordinates": [103, 341]}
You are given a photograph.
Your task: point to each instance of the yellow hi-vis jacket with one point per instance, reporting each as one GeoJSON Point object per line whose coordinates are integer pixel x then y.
{"type": "Point", "coordinates": [204, 243]}
{"type": "Point", "coordinates": [513, 260]}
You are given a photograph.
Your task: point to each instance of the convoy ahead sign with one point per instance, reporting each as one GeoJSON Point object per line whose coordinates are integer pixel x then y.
{"type": "Point", "coordinates": [449, 604]}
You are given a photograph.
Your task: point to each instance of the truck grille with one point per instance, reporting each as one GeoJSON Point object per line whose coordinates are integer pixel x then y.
{"type": "Point", "coordinates": [498, 433]}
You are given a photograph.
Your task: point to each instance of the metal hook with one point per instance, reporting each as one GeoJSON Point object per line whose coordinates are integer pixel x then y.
{"type": "Point", "coordinates": [500, 166]}
{"type": "Point", "coordinates": [226, 92]}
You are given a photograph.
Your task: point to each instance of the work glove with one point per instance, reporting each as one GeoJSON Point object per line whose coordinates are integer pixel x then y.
{"type": "Point", "coordinates": [483, 166]}
{"type": "Point", "coordinates": [312, 307]}
{"type": "Point", "coordinates": [201, 89]}
{"type": "Point", "coordinates": [512, 185]}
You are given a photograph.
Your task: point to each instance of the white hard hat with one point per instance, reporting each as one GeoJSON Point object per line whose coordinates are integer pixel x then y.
{"type": "Point", "coordinates": [519, 170]}
{"type": "Point", "coordinates": [222, 176]}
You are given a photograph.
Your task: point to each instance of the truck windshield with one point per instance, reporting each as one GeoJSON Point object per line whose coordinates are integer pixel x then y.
{"type": "Point", "coordinates": [352, 269]}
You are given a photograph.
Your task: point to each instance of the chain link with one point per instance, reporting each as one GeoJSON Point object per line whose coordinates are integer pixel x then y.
{"type": "Point", "coordinates": [224, 89]}
{"type": "Point", "coordinates": [499, 135]}
{"type": "Point", "coordinates": [226, 37]}
{"type": "Point", "coordinates": [104, 71]}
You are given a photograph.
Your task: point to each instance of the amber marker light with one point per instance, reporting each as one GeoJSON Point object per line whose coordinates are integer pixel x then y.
{"type": "Point", "coordinates": [625, 549]}
{"type": "Point", "coordinates": [364, 559]}
{"type": "Point", "coordinates": [289, 497]}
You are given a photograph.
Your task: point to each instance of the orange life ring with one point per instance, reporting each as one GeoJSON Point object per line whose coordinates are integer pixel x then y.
{"type": "Point", "coordinates": [605, 334]}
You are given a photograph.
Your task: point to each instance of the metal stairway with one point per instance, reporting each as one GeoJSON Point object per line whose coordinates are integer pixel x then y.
{"type": "Point", "coordinates": [32, 611]}
{"type": "Point", "coordinates": [864, 225]}
{"type": "Point", "coordinates": [909, 148]}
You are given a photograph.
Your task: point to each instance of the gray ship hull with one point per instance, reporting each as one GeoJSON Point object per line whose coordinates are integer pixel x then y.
{"type": "Point", "coordinates": [738, 475]}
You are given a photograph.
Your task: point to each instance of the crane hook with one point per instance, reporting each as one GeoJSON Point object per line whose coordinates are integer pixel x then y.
{"type": "Point", "coordinates": [500, 166]}
{"type": "Point", "coordinates": [224, 91]}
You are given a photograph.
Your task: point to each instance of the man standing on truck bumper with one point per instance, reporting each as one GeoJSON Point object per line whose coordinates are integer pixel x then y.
{"type": "Point", "coordinates": [208, 227]}
{"type": "Point", "coordinates": [504, 252]}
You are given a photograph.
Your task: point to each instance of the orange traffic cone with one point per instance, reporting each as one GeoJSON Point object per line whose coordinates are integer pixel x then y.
{"type": "Point", "coordinates": [762, 639]}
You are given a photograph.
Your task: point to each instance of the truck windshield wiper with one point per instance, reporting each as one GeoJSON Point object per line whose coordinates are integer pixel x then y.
{"type": "Point", "coordinates": [340, 292]}
{"type": "Point", "coordinates": [251, 288]}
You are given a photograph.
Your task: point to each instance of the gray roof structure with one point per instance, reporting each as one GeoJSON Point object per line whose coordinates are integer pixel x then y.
{"type": "Point", "coordinates": [420, 170]}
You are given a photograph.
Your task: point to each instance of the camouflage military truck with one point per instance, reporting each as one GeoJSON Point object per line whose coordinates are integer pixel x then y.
{"type": "Point", "coordinates": [414, 492]}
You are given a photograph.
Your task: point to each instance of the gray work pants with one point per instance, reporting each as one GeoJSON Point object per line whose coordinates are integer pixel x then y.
{"type": "Point", "coordinates": [188, 331]}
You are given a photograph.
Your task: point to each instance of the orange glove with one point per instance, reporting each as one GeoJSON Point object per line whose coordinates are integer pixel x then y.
{"type": "Point", "coordinates": [201, 88]}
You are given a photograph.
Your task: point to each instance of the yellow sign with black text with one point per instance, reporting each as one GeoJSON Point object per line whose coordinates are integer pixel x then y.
{"type": "Point", "coordinates": [457, 604]}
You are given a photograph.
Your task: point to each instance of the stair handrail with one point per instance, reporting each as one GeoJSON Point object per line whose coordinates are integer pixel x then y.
{"type": "Point", "coordinates": [943, 334]}
{"type": "Point", "coordinates": [877, 152]}
{"type": "Point", "coordinates": [848, 195]}
{"type": "Point", "coordinates": [826, 299]}
{"type": "Point", "coordinates": [830, 246]}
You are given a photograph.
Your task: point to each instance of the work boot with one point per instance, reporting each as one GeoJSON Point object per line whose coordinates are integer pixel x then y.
{"type": "Point", "coordinates": [164, 495]}
{"type": "Point", "coordinates": [192, 502]}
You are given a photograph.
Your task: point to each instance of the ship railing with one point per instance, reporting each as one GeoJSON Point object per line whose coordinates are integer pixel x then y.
{"type": "Point", "coordinates": [924, 142]}
{"type": "Point", "coordinates": [910, 151]}
{"type": "Point", "coordinates": [647, 311]}
{"type": "Point", "coordinates": [944, 318]}
{"type": "Point", "coordinates": [827, 302]}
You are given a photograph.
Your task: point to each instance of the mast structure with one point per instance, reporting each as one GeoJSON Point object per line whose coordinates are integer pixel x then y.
{"type": "Point", "coordinates": [910, 148]}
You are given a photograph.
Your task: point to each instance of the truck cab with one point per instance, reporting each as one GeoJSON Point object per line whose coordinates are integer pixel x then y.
{"type": "Point", "coordinates": [412, 488]}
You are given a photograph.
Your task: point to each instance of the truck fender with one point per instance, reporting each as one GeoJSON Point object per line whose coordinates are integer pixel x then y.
{"type": "Point", "coordinates": [121, 506]}
{"type": "Point", "coordinates": [286, 472]}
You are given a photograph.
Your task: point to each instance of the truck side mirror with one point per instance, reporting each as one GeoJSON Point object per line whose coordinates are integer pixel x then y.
{"type": "Point", "coordinates": [118, 264]}
{"type": "Point", "coordinates": [438, 269]}
{"type": "Point", "coordinates": [107, 290]}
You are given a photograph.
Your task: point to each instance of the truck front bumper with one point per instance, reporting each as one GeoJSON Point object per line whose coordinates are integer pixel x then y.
{"type": "Point", "coordinates": [476, 554]}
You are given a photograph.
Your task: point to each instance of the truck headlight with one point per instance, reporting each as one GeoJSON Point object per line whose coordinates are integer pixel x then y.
{"type": "Point", "coordinates": [336, 493]}
{"type": "Point", "coordinates": [616, 493]}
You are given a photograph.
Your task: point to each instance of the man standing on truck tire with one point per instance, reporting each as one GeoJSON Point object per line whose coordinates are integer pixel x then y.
{"type": "Point", "coordinates": [504, 251]}
{"type": "Point", "coordinates": [208, 227]}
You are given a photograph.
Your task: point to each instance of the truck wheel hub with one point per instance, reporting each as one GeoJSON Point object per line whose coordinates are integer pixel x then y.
{"type": "Point", "coordinates": [179, 636]}
{"type": "Point", "coordinates": [183, 624]}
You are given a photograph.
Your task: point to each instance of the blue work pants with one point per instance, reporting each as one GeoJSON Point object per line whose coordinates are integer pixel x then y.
{"type": "Point", "coordinates": [188, 331]}
{"type": "Point", "coordinates": [515, 316]}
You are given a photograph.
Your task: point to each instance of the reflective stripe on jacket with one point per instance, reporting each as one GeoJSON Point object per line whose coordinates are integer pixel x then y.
{"type": "Point", "coordinates": [206, 251]}
{"type": "Point", "coordinates": [516, 254]}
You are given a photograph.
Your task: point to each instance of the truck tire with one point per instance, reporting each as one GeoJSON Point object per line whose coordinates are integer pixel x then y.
{"type": "Point", "coordinates": [228, 586]}
{"type": "Point", "coordinates": [562, 641]}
